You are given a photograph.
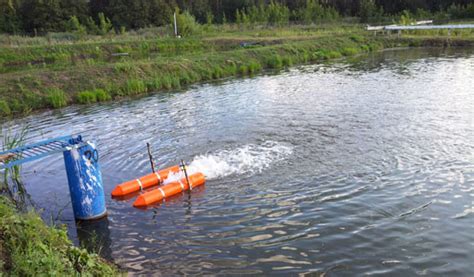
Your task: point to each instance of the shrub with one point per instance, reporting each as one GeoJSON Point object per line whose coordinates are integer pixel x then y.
{"type": "Point", "coordinates": [187, 24]}
{"type": "Point", "coordinates": [73, 25]}
{"type": "Point", "coordinates": [56, 98]}
{"type": "Point", "coordinates": [105, 25]}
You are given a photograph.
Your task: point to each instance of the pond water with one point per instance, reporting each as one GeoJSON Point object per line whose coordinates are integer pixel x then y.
{"type": "Point", "coordinates": [363, 166]}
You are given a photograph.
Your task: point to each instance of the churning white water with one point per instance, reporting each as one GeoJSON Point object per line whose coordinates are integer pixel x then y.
{"type": "Point", "coordinates": [245, 160]}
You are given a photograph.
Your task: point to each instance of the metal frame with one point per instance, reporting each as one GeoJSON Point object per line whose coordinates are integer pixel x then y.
{"type": "Point", "coordinates": [39, 150]}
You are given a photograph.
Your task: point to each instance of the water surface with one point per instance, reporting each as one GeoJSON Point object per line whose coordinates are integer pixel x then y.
{"type": "Point", "coordinates": [358, 167]}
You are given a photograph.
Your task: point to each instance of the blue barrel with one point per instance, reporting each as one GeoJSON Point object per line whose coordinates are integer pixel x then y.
{"type": "Point", "coordinates": [85, 181]}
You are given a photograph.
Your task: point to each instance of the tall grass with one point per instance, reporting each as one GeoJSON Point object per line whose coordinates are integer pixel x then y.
{"type": "Point", "coordinates": [4, 108]}
{"type": "Point", "coordinates": [134, 87]}
{"type": "Point", "coordinates": [92, 96]}
{"type": "Point", "coordinates": [35, 249]}
{"type": "Point", "coordinates": [56, 98]}
{"type": "Point", "coordinates": [11, 177]}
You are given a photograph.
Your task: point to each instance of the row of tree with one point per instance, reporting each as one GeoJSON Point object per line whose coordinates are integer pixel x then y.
{"type": "Point", "coordinates": [41, 16]}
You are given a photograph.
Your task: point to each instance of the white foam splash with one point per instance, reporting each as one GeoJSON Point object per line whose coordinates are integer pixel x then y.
{"type": "Point", "coordinates": [248, 159]}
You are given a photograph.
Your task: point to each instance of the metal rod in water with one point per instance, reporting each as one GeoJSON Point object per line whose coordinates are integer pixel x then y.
{"type": "Point", "coordinates": [150, 157]}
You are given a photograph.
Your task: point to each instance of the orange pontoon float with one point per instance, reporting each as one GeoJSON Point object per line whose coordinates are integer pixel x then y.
{"type": "Point", "coordinates": [168, 190]}
{"type": "Point", "coordinates": [144, 182]}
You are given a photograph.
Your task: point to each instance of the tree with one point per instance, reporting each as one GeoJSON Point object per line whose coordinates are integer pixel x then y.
{"type": "Point", "coordinates": [313, 12]}
{"type": "Point", "coordinates": [10, 21]}
{"type": "Point", "coordinates": [186, 22]}
{"type": "Point", "coordinates": [75, 26]}
{"type": "Point", "coordinates": [42, 16]}
{"type": "Point", "coordinates": [368, 11]}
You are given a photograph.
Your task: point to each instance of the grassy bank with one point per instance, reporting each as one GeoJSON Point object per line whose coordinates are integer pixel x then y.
{"type": "Point", "coordinates": [58, 74]}
{"type": "Point", "coordinates": [28, 247]}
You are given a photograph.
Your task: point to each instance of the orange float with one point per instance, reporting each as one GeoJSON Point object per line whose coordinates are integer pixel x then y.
{"type": "Point", "coordinates": [169, 190]}
{"type": "Point", "coordinates": [144, 182]}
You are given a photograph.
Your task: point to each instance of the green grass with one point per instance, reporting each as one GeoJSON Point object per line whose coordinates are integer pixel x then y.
{"type": "Point", "coordinates": [86, 97]}
{"type": "Point", "coordinates": [133, 87]}
{"type": "Point", "coordinates": [4, 108]}
{"type": "Point", "coordinates": [92, 96]}
{"type": "Point", "coordinates": [54, 75]}
{"type": "Point", "coordinates": [56, 98]}
{"type": "Point", "coordinates": [28, 247]}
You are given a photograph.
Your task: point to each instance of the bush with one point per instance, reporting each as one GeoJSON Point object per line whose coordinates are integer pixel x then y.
{"type": "Point", "coordinates": [73, 25]}
{"type": "Point", "coordinates": [187, 24]}
{"type": "Point", "coordinates": [56, 98]}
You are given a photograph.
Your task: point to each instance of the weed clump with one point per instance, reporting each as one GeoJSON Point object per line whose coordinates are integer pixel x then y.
{"type": "Point", "coordinates": [56, 98]}
{"type": "Point", "coordinates": [102, 95]}
{"type": "Point", "coordinates": [254, 67]}
{"type": "Point", "coordinates": [4, 108]}
{"type": "Point", "coordinates": [92, 96]}
{"type": "Point", "coordinates": [243, 69]}
{"type": "Point", "coordinates": [134, 87]}
{"type": "Point", "coordinates": [349, 51]}
{"type": "Point", "coordinates": [86, 97]}
{"type": "Point", "coordinates": [275, 62]}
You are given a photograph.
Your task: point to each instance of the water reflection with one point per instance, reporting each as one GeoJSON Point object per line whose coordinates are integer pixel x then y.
{"type": "Point", "coordinates": [378, 178]}
{"type": "Point", "coordinates": [95, 237]}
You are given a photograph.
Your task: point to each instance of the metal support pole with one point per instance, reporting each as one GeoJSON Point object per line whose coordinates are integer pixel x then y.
{"type": "Point", "coordinates": [85, 181]}
{"type": "Point", "coordinates": [175, 26]}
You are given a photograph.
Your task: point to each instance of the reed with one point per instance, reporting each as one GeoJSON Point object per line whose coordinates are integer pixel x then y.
{"type": "Point", "coordinates": [12, 185]}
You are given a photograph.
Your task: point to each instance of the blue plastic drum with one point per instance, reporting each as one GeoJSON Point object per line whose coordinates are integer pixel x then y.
{"type": "Point", "coordinates": [85, 181]}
